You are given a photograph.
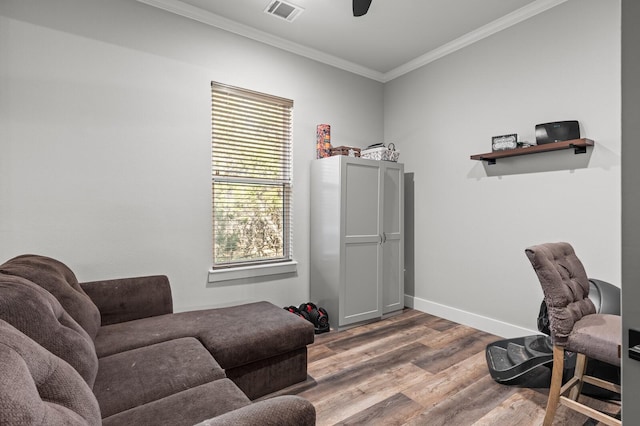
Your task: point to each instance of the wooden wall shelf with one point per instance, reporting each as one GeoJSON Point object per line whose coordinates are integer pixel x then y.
{"type": "Point", "coordinates": [578, 145]}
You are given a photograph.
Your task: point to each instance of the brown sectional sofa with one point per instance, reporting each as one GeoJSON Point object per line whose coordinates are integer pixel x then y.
{"type": "Point", "coordinates": [114, 353]}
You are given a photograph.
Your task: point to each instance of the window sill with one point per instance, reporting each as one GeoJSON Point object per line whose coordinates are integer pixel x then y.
{"type": "Point", "coordinates": [243, 272]}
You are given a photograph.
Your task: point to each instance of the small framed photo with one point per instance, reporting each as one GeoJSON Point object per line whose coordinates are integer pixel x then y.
{"type": "Point", "coordinates": [504, 142]}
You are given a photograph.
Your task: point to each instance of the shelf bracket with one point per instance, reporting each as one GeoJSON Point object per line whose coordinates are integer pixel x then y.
{"type": "Point", "coordinates": [579, 149]}
{"type": "Point", "coordinates": [490, 161]}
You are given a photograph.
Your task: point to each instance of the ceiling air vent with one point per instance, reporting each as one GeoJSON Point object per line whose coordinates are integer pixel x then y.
{"type": "Point", "coordinates": [284, 10]}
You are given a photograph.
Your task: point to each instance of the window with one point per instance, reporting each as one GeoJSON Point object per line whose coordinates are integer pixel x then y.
{"type": "Point", "coordinates": [251, 177]}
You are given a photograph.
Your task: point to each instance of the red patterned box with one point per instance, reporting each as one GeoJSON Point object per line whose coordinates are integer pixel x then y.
{"type": "Point", "coordinates": [323, 141]}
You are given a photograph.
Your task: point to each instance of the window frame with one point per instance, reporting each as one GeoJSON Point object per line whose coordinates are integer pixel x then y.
{"type": "Point", "coordinates": [242, 269]}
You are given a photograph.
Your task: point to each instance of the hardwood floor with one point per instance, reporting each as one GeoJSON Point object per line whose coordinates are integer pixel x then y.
{"type": "Point", "coordinates": [417, 369]}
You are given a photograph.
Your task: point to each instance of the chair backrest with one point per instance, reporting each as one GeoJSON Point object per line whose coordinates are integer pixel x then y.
{"type": "Point", "coordinates": [565, 286]}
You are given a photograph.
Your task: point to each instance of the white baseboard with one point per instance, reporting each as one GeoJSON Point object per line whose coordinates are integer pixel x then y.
{"type": "Point", "coordinates": [489, 325]}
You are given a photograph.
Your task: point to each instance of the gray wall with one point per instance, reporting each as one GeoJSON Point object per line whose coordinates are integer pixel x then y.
{"type": "Point", "coordinates": [630, 204]}
{"type": "Point", "coordinates": [472, 221]}
{"type": "Point", "coordinates": [105, 146]}
{"type": "Point", "coordinates": [105, 141]}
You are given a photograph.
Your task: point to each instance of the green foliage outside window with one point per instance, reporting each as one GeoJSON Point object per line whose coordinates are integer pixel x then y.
{"type": "Point", "coordinates": [249, 222]}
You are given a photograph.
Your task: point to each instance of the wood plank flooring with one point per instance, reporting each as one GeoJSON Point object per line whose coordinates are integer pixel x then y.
{"type": "Point", "coordinates": [418, 369]}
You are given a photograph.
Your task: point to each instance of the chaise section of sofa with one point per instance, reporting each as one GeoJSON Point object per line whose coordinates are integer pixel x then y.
{"type": "Point", "coordinates": [259, 356]}
{"type": "Point", "coordinates": [148, 365]}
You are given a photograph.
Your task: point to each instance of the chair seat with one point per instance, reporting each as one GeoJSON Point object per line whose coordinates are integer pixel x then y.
{"type": "Point", "coordinates": [598, 336]}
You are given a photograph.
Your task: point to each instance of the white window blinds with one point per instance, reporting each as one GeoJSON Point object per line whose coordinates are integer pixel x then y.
{"type": "Point", "coordinates": [251, 177]}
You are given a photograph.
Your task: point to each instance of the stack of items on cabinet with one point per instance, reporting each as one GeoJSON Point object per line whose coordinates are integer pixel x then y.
{"type": "Point", "coordinates": [114, 353]}
{"type": "Point", "coordinates": [380, 151]}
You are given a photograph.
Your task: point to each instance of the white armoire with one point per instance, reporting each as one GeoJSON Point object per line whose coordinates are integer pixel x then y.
{"type": "Point", "coordinates": [357, 238]}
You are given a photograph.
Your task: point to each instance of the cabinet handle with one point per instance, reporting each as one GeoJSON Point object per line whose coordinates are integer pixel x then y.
{"type": "Point", "coordinates": [384, 237]}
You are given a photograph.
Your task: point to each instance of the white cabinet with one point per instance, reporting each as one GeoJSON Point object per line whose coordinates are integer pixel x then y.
{"type": "Point", "coordinates": [357, 233]}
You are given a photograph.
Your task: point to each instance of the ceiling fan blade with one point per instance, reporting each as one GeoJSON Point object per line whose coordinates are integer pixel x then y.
{"type": "Point", "coordinates": [361, 7]}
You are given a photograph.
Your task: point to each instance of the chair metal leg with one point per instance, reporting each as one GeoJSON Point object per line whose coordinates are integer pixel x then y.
{"type": "Point", "coordinates": [556, 385]}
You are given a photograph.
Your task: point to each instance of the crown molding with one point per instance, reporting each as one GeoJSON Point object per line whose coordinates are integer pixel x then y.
{"type": "Point", "coordinates": [197, 14]}
{"type": "Point", "coordinates": [483, 32]}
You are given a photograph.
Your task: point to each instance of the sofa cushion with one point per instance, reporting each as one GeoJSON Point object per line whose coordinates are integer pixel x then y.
{"type": "Point", "coordinates": [128, 379]}
{"type": "Point", "coordinates": [598, 336]}
{"type": "Point", "coordinates": [36, 387]}
{"type": "Point", "coordinates": [184, 408]}
{"type": "Point", "coordinates": [128, 299]}
{"type": "Point", "coordinates": [59, 280]}
{"type": "Point", "coordinates": [285, 410]}
{"type": "Point", "coordinates": [39, 315]}
{"type": "Point", "coordinates": [236, 335]}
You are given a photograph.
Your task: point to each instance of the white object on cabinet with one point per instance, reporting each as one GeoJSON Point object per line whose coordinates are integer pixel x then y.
{"type": "Point", "coordinates": [357, 238]}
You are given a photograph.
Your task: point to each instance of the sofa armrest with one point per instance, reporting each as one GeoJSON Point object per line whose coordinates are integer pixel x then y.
{"type": "Point", "coordinates": [284, 410]}
{"type": "Point", "coordinates": [128, 299]}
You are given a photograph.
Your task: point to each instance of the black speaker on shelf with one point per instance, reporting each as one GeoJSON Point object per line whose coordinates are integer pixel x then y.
{"type": "Point", "coordinates": [557, 131]}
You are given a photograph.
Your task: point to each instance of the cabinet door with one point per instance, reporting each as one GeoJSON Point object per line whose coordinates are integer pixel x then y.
{"type": "Point", "coordinates": [360, 297]}
{"type": "Point", "coordinates": [393, 237]}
